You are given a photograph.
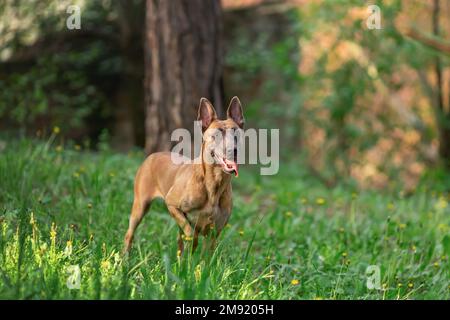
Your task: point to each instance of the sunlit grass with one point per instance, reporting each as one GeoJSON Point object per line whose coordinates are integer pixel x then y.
{"type": "Point", "coordinates": [288, 238]}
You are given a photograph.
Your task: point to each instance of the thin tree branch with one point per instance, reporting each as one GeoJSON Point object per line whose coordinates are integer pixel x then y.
{"type": "Point", "coordinates": [430, 41]}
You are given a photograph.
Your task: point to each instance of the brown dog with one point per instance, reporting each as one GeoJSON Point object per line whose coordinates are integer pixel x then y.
{"type": "Point", "coordinates": [197, 195]}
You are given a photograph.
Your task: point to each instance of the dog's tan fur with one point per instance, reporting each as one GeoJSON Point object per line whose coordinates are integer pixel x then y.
{"type": "Point", "coordinates": [198, 196]}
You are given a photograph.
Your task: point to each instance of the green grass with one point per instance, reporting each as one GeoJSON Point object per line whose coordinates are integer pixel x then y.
{"type": "Point", "coordinates": [61, 207]}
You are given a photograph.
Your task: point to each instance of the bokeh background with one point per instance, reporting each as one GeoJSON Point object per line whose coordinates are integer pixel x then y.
{"type": "Point", "coordinates": [366, 107]}
{"type": "Point", "coordinates": [364, 119]}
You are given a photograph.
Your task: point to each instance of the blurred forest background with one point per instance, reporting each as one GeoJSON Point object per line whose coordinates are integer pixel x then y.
{"type": "Point", "coordinates": [370, 107]}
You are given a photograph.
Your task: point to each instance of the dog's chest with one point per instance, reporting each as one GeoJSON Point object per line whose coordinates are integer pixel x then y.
{"type": "Point", "coordinates": [208, 216]}
{"type": "Point", "coordinates": [202, 207]}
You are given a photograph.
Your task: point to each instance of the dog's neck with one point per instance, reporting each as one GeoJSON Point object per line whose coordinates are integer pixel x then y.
{"type": "Point", "coordinates": [215, 179]}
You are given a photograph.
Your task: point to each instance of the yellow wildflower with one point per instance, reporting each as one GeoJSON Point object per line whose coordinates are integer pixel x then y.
{"type": "Point", "coordinates": [441, 204]}
{"type": "Point", "coordinates": [105, 265]}
{"type": "Point", "coordinates": [53, 232]}
{"type": "Point", "coordinates": [32, 219]}
{"type": "Point", "coordinates": [320, 201]}
{"type": "Point", "coordinates": [68, 249]}
{"type": "Point", "coordinates": [198, 272]}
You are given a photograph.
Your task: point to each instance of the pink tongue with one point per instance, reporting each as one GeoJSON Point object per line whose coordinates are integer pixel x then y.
{"type": "Point", "coordinates": [231, 164]}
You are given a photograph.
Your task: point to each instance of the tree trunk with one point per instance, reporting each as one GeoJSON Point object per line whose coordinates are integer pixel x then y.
{"type": "Point", "coordinates": [443, 116]}
{"type": "Point", "coordinates": [183, 62]}
{"type": "Point", "coordinates": [444, 145]}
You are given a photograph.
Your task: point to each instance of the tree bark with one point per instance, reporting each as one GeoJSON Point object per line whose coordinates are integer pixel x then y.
{"type": "Point", "coordinates": [442, 116]}
{"type": "Point", "coordinates": [183, 62]}
{"type": "Point", "coordinates": [438, 64]}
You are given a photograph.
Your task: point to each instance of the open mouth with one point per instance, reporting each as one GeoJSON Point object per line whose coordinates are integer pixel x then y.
{"type": "Point", "coordinates": [228, 166]}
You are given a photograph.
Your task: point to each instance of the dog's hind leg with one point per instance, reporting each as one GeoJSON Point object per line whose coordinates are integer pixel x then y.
{"type": "Point", "coordinates": [137, 213]}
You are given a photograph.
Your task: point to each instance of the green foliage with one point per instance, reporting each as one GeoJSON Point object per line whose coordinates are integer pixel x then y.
{"type": "Point", "coordinates": [357, 81]}
{"type": "Point", "coordinates": [288, 238]}
{"type": "Point", "coordinates": [51, 75]}
{"type": "Point", "coordinates": [56, 88]}
{"type": "Point", "coordinates": [262, 58]}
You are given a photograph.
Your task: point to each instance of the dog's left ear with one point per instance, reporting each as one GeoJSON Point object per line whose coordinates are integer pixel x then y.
{"type": "Point", "coordinates": [235, 112]}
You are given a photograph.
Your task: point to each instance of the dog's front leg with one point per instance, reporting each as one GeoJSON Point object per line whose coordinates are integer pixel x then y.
{"type": "Point", "coordinates": [220, 218]}
{"type": "Point", "coordinates": [181, 242]}
{"type": "Point", "coordinates": [181, 220]}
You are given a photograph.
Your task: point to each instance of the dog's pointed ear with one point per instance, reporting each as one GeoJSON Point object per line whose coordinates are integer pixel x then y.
{"type": "Point", "coordinates": [206, 113]}
{"type": "Point", "coordinates": [235, 112]}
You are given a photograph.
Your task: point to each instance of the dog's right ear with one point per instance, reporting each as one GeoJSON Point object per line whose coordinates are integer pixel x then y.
{"type": "Point", "coordinates": [206, 113]}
